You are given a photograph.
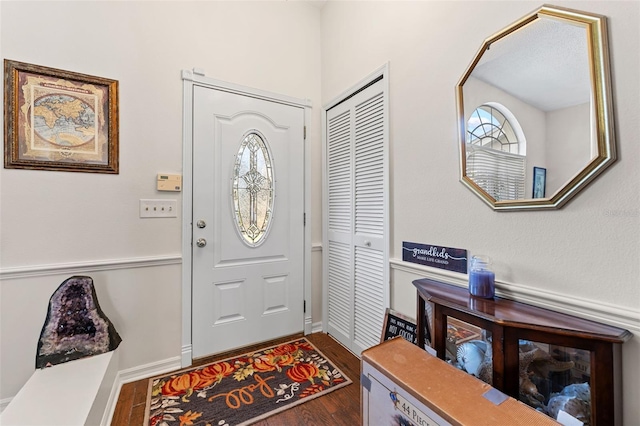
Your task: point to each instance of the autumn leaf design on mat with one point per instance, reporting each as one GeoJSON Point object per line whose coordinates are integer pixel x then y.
{"type": "Point", "coordinates": [243, 389]}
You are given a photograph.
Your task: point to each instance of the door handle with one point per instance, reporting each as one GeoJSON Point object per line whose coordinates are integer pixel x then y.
{"type": "Point", "coordinates": [367, 243]}
{"type": "Point", "coordinates": [201, 242]}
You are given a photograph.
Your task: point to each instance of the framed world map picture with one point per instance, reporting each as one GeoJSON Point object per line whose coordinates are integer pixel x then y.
{"type": "Point", "coordinates": [59, 120]}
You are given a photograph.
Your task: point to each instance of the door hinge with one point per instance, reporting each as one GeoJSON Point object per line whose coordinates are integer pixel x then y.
{"type": "Point", "coordinates": [304, 219]}
{"type": "Point", "coordinates": [304, 306]}
{"type": "Point", "coordinates": [304, 133]}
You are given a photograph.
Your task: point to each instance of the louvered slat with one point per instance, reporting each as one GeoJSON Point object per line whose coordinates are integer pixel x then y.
{"type": "Point", "coordinates": [500, 174]}
{"type": "Point", "coordinates": [339, 289]}
{"type": "Point", "coordinates": [369, 219]}
{"type": "Point", "coordinates": [339, 172]}
{"type": "Point", "coordinates": [369, 166]}
{"type": "Point", "coordinates": [368, 300]}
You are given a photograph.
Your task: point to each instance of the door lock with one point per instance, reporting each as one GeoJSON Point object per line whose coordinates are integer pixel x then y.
{"type": "Point", "coordinates": [201, 224]}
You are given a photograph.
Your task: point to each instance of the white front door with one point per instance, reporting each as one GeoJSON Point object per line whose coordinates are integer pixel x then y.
{"type": "Point", "coordinates": [248, 225]}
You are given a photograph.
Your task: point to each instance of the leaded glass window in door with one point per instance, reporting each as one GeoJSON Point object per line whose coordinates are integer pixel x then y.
{"type": "Point", "coordinates": [253, 189]}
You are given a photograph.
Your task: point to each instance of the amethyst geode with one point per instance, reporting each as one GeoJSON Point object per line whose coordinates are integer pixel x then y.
{"type": "Point", "coordinates": [75, 326]}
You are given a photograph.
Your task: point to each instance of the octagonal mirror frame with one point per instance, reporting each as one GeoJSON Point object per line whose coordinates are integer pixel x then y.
{"type": "Point", "coordinates": [602, 117]}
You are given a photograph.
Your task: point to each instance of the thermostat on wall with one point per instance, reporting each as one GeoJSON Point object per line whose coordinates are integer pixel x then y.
{"type": "Point", "coordinates": [168, 182]}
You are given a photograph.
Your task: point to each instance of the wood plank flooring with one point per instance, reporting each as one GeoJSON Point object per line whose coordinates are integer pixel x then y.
{"type": "Point", "coordinates": [340, 407]}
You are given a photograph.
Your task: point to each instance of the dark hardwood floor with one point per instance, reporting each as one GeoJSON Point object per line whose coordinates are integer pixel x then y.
{"type": "Point", "coordinates": [340, 407]}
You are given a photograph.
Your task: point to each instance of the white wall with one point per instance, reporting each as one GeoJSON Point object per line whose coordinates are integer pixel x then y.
{"type": "Point", "coordinates": [88, 223]}
{"type": "Point", "coordinates": [586, 253]}
{"type": "Point", "coordinates": [567, 152]}
{"type": "Point", "coordinates": [583, 258]}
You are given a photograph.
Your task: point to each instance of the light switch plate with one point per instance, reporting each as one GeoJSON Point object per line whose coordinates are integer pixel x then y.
{"type": "Point", "coordinates": [158, 208]}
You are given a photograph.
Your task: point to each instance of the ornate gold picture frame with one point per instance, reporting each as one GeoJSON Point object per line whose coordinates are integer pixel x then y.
{"type": "Point", "coordinates": [59, 120]}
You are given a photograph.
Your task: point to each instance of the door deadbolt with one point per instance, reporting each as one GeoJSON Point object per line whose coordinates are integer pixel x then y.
{"type": "Point", "coordinates": [201, 224]}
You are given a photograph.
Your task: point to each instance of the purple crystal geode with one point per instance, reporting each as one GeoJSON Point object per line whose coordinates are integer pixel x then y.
{"type": "Point", "coordinates": [75, 326]}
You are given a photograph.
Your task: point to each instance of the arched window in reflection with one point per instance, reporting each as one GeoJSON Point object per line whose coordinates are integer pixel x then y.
{"type": "Point", "coordinates": [489, 128]}
{"type": "Point", "coordinates": [493, 149]}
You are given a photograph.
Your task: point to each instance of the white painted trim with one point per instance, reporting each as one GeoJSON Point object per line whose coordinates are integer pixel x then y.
{"type": "Point", "coordinates": [149, 370]}
{"type": "Point", "coordinates": [308, 291]}
{"type": "Point", "coordinates": [186, 355]}
{"type": "Point", "coordinates": [107, 416]}
{"type": "Point", "coordinates": [4, 403]}
{"type": "Point", "coordinates": [89, 266]}
{"type": "Point", "coordinates": [381, 71]}
{"type": "Point", "coordinates": [316, 327]}
{"type": "Point", "coordinates": [187, 209]}
{"type": "Point", "coordinates": [201, 80]}
{"type": "Point", "coordinates": [313, 327]}
{"type": "Point", "coordinates": [325, 220]}
{"type": "Point", "coordinates": [427, 272]}
{"type": "Point", "coordinates": [308, 325]}
{"type": "Point", "coordinates": [596, 311]}
{"type": "Point", "coordinates": [197, 78]}
{"type": "Point", "coordinates": [134, 374]}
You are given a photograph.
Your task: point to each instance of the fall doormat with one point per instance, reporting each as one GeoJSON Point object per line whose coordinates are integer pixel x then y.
{"type": "Point", "coordinates": [243, 389]}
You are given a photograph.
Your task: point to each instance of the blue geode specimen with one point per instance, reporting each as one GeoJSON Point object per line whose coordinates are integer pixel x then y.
{"type": "Point", "coordinates": [75, 326]}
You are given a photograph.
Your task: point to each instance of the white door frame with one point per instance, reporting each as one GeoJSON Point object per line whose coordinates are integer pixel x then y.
{"type": "Point", "coordinates": [197, 78]}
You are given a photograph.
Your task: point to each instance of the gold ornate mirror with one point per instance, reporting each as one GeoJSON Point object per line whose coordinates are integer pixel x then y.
{"type": "Point", "coordinates": [535, 111]}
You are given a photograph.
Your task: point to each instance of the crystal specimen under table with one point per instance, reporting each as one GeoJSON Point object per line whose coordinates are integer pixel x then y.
{"type": "Point", "coordinates": [510, 323]}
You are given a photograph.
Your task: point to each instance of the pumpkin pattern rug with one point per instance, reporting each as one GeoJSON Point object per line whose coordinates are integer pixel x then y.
{"type": "Point", "coordinates": [243, 389]}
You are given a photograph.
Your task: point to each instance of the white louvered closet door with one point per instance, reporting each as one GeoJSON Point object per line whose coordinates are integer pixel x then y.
{"type": "Point", "coordinates": [356, 218]}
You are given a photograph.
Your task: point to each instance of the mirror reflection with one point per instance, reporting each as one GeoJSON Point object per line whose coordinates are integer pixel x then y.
{"type": "Point", "coordinates": [534, 99]}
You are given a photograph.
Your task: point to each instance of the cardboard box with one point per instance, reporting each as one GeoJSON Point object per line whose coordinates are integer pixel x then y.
{"type": "Point", "coordinates": [404, 385]}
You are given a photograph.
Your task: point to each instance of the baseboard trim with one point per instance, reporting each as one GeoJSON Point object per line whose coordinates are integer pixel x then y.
{"type": "Point", "coordinates": [4, 403]}
{"type": "Point", "coordinates": [596, 311]}
{"type": "Point", "coordinates": [187, 356]}
{"type": "Point", "coordinates": [316, 327]}
{"type": "Point", "coordinates": [111, 403]}
{"type": "Point", "coordinates": [149, 370]}
{"type": "Point", "coordinates": [90, 266]}
{"type": "Point", "coordinates": [134, 374]}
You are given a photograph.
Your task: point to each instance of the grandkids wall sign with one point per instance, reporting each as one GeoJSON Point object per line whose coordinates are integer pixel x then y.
{"type": "Point", "coordinates": [451, 259]}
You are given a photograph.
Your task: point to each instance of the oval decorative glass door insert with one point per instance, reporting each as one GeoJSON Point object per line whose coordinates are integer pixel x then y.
{"type": "Point", "coordinates": [253, 189]}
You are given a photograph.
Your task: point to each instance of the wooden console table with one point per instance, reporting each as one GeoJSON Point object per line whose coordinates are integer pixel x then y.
{"type": "Point", "coordinates": [509, 323]}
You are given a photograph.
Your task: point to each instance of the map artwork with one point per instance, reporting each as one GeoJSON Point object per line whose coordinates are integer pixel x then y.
{"type": "Point", "coordinates": [62, 120]}
{"type": "Point", "coordinates": [59, 120]}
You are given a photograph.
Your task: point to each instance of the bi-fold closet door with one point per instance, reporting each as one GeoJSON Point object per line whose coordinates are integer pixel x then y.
{"type": "Point", "coordinates": [356, 215]}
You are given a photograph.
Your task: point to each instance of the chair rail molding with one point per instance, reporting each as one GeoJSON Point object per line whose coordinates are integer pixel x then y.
{"type": "Point", "coordinates": [596, 311]}
{"type": "Point", "coordinates": [88, 266]}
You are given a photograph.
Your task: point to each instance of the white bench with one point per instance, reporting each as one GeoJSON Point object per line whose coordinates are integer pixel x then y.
{"type": "Point", "coordinates": [67, 394]}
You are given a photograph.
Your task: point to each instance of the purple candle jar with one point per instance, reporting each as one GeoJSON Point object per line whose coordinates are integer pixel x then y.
{"type": "Point", "coordinates": [481, 277]}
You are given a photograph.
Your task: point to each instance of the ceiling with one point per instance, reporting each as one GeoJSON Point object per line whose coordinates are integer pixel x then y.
{"type": "Point", "coordinates": [545, 64]}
